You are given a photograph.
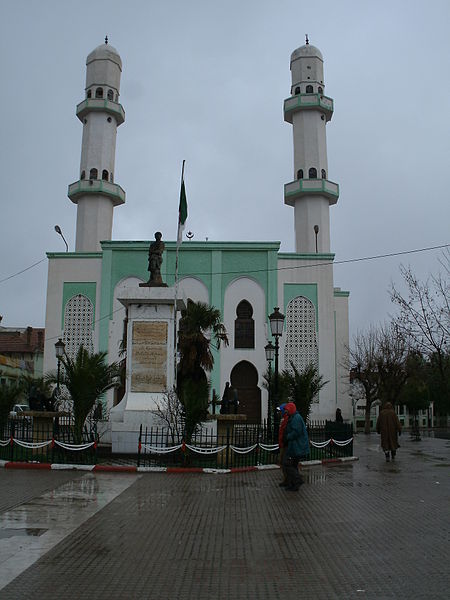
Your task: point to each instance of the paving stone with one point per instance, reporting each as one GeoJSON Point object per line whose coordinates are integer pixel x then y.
{"type": "Point", "coordinates": [370, 530]}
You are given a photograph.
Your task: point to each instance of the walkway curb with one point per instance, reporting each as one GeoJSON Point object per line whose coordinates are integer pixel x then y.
{"type": "Point", "coordinates": [171, 470]}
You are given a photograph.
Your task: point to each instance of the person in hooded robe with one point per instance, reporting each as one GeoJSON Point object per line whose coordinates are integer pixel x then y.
{"type": "Point", "coordinates": [389, 427]}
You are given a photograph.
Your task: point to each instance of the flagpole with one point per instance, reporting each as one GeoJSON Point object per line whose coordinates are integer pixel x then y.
{"type": "Point", "coordinates": [176, 283]}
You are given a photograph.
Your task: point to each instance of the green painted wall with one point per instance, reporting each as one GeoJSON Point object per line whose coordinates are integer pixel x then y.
{"type": "Point", "coordinates": [215, 264]}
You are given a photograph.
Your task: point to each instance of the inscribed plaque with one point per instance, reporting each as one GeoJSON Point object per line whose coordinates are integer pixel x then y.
{"type": "Point", "coordinates": [149, 356]}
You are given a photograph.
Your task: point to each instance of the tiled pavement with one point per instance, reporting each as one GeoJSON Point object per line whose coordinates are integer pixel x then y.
{"type": "Point", "coordinates": [366, 530]}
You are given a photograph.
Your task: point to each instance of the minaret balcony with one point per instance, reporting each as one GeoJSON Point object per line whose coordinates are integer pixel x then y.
{"type": "Point", "coordinates": [308, 102]}
{"type": "Point", "coordinates": [101, 105]}
{"type": "Point", "coordinates": [310, 187]}
{"type": "Point", "coordinates": [84, 187]}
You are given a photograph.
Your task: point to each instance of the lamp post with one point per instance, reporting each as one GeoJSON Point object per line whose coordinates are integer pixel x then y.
{"type": "Point", "coordinates": [59, 352]}
{"type": "Point", "coordinates": [316, 231]}
{"type": "Point", "coordinates": [276, 327]}
{"type": "Point", "coordinates": [270, 353]}
{"type": "Point", "coordinates": [59, 232]}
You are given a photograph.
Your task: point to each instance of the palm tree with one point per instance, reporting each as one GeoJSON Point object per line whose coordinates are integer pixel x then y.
{"type": "Point", "coordinates": [199, 325]}
{"type": "Point", "coordinates": [193, 342]}
{"type": "Point", "coordinates": [87, 378]}
{"type": "Point", "coordinates": [302, 387]}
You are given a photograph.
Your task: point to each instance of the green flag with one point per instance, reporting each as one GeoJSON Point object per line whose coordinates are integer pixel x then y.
{"type": "Point", "coordinates": [182, 213]}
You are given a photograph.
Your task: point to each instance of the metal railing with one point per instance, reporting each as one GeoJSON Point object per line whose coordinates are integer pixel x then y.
{"type": "Point", "coordinates": [242, 446]}
{"type": "Point", "coordinates": [28, 440]}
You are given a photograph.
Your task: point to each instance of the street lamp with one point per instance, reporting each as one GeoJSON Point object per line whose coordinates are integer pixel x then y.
{"type": "Point", "coordinates": [59, 352]}
{"type": "Point", "coordinates": [276, 327]}
{"type": "Point", "coordinates": [270, 354]}
{"type": "Point", "coordinates": [59, 232]}
{"type": "Point", "coordinates": [316, 231]}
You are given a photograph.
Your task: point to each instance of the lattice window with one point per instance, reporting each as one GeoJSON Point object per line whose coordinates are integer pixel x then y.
{"type": "Point", "coordinates": [301, 339]}
{"type": "Point", "coordinates": [78, 319]}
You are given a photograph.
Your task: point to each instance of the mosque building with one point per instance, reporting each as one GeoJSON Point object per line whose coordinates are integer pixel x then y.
{"type": "Point", "coordinates": [244, 280]}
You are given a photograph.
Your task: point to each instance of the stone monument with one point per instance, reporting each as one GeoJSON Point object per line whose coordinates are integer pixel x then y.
{"type": "Point", "coordinates": [150, 363]}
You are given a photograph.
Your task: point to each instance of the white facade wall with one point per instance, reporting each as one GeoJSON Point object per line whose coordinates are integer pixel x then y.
{"type": "Point", "coordinates": [310, 142]}
{"type": "Point", "coordinates": [62, 270]}
{"type": "Point", "coordinates": [190, 287]}
{"type": "Point", "coordinates": [103, 71]}
{"type": "Point", "coordinates": [306, 68]}
{"type": "Point", "coordinates": [310, 211]}
{"type": "Point", "coordinates": [240, 289]}
{"type": "Point", "coordinates": [98, 146]}
{"type": "Point", "coordinates": [323, 277]}
{"type": "Point", "coordinates": [94, 222]}
{"type": "Point", "coordinates": [342, 362]}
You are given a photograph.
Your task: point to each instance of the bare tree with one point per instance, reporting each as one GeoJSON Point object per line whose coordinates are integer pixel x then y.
{"type": "Point", "coordinates": [391, 362]}
{"type": "Point", "coordinates": [363, 358]}
{"type": "Point", "coordinates": [378, 362]}
{"type": "Point", "coordinates": [424, 316]}
{"type": "Point", "coordinates": [170, 410]}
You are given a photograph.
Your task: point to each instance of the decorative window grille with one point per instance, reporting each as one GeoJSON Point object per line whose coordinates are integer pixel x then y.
{"type": "Point", "coordinates": [78, 319]}
{"type": "Point", "coordinates": [301, 339]}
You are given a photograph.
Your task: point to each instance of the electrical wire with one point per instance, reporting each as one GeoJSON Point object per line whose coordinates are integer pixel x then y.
{"type": "Point", "coordinates": [23, 270]}
{"type": "Point", "coordinates": [320, 264]}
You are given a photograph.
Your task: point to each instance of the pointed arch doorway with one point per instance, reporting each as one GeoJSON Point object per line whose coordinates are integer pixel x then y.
{"type": "Point", "coordinates": [244, 377]}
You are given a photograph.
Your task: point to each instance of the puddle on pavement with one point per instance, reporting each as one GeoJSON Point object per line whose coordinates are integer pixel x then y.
{"type": "Point", "coordinates": [26, 531]}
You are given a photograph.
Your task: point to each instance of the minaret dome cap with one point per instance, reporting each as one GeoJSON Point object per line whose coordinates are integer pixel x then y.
{"type": "Point", "coordinates": [306, 51]}
{"type": "Point", "coordinates": [105, 52]}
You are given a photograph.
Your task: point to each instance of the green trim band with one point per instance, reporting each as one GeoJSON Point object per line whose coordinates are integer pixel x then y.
{"type": "Point", "coordinates": [84, 187]}
{"type": "Point", "coordinates": [341, 294]}
{"type": "Point", "coordinates": [74, 255]}
{"type": "Point", "coordinates": [308, 102]}
{"type": "Point", "coordinates": [191, 246]}
{"type": "Point", "coordinates": [299, 256]}
{"type": "Point", "coordinates": [101, 105]}
{"type": "Point", "coordinates": [310, 187]}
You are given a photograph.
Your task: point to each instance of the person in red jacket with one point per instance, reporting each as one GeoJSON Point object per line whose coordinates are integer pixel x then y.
{"type": "Point", "coordinates": [283, 423]}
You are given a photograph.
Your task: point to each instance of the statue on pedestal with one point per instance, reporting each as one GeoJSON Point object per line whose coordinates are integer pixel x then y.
{"type": "Point", "coordinates": [155, 260]}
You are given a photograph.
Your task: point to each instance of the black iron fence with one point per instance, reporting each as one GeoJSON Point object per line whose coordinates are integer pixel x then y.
{"type": "Point", "coordinates": [30, 439]}
{"type": "Point", "coordinates": [328, 440]}
{"type": "Point", "coordinates": [242, 446]}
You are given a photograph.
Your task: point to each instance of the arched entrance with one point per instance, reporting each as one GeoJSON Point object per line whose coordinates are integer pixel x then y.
{"type": "Point", "coordinates": [244, 377]}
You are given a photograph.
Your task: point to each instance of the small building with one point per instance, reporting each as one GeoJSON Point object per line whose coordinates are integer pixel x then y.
{"type": "Point", "coordinates": [21, 353]}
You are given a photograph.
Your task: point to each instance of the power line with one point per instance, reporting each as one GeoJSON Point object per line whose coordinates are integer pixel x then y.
{"type": "Point", "coordinates": [350, 260]}
{"type": "Point", "coordinates": [325, 263]}
{"type": "Point", "coordinates": [337, 262]}
{"type": "Point", "coordinates": [23, 270]}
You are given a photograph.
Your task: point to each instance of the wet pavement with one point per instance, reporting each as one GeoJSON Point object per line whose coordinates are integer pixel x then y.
{"type": "Point", "coordinates": [366, 530]}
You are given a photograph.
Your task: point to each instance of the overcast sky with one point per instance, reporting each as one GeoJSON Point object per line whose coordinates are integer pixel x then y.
{"type": "Point", "coordinates": [205, 81]}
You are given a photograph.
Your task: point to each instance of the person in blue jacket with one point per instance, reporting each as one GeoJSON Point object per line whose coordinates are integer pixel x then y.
{"type": "Point", "coordinates": [297, 446]}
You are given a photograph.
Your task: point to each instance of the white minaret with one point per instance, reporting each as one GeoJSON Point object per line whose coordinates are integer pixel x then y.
{"type": "Point", "coordinates": [95, 192]}
{"type": "Point", "coordinates": [311, 193]}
